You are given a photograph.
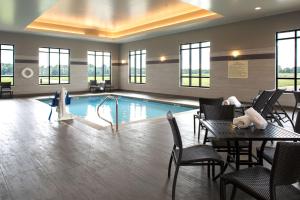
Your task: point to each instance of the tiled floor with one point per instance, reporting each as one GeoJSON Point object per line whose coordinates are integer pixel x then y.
{"type": "Point", "coordinates": [50, 160]}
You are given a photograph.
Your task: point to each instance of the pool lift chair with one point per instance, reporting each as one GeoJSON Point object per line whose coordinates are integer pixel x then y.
{"type": "Point", "coordinates": [55, 102]}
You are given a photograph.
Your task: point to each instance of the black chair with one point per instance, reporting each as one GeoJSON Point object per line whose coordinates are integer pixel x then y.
{"type": "Point", "coordinates": [6, 89]}
{"type": "Point", "coordinates": [108, 85]}
{"type": "Point", "coordinates": [226, 113]}
{"type": "Point", "coordinates": [266, 184]}
{"type": "Point", "coordinates": [93, 86]}
{"type": "Point", "coordinates": [190, 156]}
{"type": "Point", "coordinates": [268, 152]}
{"type": "Point", "coordinates": [218, 112]}
{"type": "Point", "coordinates": [267, 112]}
{"type": "Point", "coordinates": [261, 101]}
{"type": "Point", "coordinates": [297, 99]}
{"type": "Point", "coordinates": [199, 115]}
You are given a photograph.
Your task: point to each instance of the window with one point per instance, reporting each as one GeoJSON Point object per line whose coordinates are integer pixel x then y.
{"type": "Point", "coordinates": [54, 65]}
{"type": "Point", "coordinates": [195, 64]}
{"type": "Point", "coordinates": [99, 66]}
{"type": "Point", "coordinates": [7, 63]}
{"type": "Point", "coordinates": [288, 60]}
{"type": "Point", "coordinates": [137, 66]}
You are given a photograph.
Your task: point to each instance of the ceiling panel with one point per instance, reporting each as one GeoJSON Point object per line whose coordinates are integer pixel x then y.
{"type": "Point", "coordinates": [129, 20]}
{"type": "Point", "coordinates": [17, 14]}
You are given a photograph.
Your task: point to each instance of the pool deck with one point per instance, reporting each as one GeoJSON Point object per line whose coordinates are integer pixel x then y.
{"type": "Point", "coordinates": [71, 160]}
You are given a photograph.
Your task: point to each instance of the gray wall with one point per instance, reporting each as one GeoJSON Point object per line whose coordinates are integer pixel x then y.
{"type": "Point", "coordinates": [26, 49]}
{"type": "Point", "coordinates": [250, 37]}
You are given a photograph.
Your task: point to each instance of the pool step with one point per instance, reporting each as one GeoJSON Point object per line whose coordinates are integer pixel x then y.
{"type": "Point", "coordinates": [86, 126]}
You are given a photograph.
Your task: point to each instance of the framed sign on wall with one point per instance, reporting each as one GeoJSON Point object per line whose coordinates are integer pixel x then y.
{"type": "Point", "coordinates": [238, 69]}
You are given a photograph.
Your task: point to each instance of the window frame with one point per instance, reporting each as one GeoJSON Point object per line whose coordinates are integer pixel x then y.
{"type": "Point", "coordinates": [141, 76]}
{"type": "Point", "coordinates": [296, 49]}
{"type": "Point", "coordinates": [102, 58]}
{"type": "Point", "coordinates": [200, 77]}
{"type": "Point", "coordinates": [13, 50]}
{"type": "Point", "coordinates": [59, 67]}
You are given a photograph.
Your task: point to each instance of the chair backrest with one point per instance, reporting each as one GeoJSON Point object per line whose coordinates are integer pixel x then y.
{"type": "Point", "coordinates": [286, 164]}
{"type": "Point", "coordinates": [175, 130]}
{"type": "Point", "coordinates": [262, 100]}
{"type": "Point", "coordinates": [5, 85]}
{"type": "Point", "coordinates": [93, 82]}
{"type": "Point", "coordinates": [297, 124]}
{"type": "Point", "coordinates": [223, 112]}
{"type": "Point", "coordinates": [272, 101]}
{"type": "Point", "coordinates": [107, 82]}
{"type": "Point", "coordinates": [209, 101]}
{"type": "Point", "coordinates": [297, 96]}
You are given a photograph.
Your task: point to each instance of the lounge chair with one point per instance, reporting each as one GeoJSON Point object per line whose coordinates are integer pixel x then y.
{"type": "Point", "coordinates": [108, 85]}
{"type": "Point", "coordinates": [6, 88]}
{"type": "Point", "coordinates": [93, 86]}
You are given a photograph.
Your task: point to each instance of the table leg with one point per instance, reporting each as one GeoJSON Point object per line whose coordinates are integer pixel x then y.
{"type": "Point", "coordinates": [250, 154]}
{"type": "Point", "coordinates": [261, 150]}
{"type": "Point", "coordinates": [237, 156]}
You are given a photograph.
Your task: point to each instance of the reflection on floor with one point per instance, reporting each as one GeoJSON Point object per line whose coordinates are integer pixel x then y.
{"type": "Point", "coordinates": [50, 160]}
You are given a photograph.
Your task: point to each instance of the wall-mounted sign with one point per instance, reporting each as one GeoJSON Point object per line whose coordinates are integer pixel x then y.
{"type": "Point", "coordinates": [238, 69]}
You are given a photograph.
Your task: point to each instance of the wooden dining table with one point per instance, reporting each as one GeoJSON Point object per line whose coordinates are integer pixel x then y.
{"type": "Point", "coordinates": [226, 131]}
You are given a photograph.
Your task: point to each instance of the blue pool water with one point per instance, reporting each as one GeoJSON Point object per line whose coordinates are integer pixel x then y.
{"type": "Point", "coordinates": [130, 109]}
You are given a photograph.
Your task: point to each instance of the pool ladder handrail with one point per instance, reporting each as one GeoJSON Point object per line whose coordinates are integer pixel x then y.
{"type": "Point", "coordinates": [117, 111]}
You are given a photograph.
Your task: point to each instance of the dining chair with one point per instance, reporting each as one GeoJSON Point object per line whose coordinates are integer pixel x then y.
{"type": "Point", "coordinates": [199, 115]}
{"type": "Point", "coordinates": [267, 153]}
{"type": "Point", "coordinates": [224, 113]}
{"type": "Point", "coordinates": [217, 112]}
{"type": "Point", "coordinates": [265, 184]}
{"type": "Point", "coordinates": [297, 101]}
{"type": "Point", "coordinates": [190, 156]}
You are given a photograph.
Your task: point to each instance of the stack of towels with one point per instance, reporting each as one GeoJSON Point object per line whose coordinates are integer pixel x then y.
{"type": "Point", "coordinates": [232, 101]}
{"type": "Point", "coordinates": [251, 117]}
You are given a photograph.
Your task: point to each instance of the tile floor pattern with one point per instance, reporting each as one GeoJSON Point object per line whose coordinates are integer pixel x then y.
{"type": "Point", "coordinates": [50, 160]}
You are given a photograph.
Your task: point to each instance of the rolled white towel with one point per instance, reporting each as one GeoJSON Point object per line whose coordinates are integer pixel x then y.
{"type": "Point", "coordinates": [226, 102]}
{"type": "Point", "coordinates": [256, 118]}
{"type": "Point", "coordinates": [242, 122]}
{"type": "Point", "coordinates": [234, 101]}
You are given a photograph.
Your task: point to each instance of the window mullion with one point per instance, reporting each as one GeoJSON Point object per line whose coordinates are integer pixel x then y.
{"type": "Point", "coordinates": [190, 66]}
{"type": "Point", "coordinates": [49, 66]}
{"type": "Point", "coordinates": [200, 67]}
{"type": "Point", "coordinates": [295, 64]}
{"type": "Point", "coordinates": [141, 68]}
{"type": "Point", "coordinates": [59, 66]}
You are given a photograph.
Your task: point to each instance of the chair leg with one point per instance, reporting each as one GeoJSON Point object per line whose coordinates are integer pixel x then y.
{"type": "Point", "coordinates": [222, 190]}
{"type": "Point", "coordinates": [170, 165]}
{"type": "Point", "coordinates": [205, 136]}
{"type": "Point", "coordinates": [208, 169]}
{"type": "Point", "coordinates": [194, 125]}
{"type": "Point", "coordinates": [213, 169]}
{"type": "Point", "coordinates": [174, 182]}
{"type": "Point", "coordinates": [233, 192]}
{"type": "Point", "coordinates": [294, 111]}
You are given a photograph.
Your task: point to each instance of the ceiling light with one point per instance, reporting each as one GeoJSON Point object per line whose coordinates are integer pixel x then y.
{"type": "Point", "coordinates": [258, 8]}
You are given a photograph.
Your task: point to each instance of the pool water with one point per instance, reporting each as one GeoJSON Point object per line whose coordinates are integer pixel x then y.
{"type": "Point", "coordinates": [130, 109]}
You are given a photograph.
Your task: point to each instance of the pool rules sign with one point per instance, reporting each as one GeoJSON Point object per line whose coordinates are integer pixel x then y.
{"type": "Point", "coordinates": [238, 69]}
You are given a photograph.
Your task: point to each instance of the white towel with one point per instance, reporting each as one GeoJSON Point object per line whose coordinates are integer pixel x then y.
{"type": "Point", "coordinates": [226, 102]}
{"type": "Point", "coordinates": [242, 122]}
{"type": "Point", "coordinates": [234, 101]}
{"type": "Point", "coordinates": [256, 118]}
